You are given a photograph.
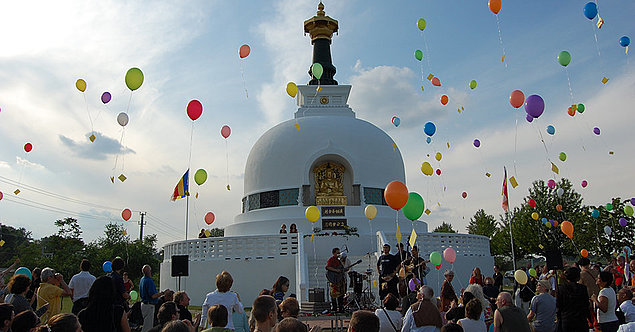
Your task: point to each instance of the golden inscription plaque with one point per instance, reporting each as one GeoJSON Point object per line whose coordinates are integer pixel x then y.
{"type": "Point", "coordinates": [329, 189]}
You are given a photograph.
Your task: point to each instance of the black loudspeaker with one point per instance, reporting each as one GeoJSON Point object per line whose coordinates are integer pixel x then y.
{"type": "Point", "coordinates": [554, 259]}
{"type": "Point", "coordinates": [180, 265]}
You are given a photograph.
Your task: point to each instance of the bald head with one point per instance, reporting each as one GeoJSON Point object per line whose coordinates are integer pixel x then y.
{"type": "Point", "coordinates": [504, 299]}
{"type": "Point", "coordinates": [146, 270]}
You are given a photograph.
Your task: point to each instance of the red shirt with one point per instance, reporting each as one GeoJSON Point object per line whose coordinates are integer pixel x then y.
{"type": "Point", "coordinates": [333, 262]}
{"type": "Point", "coordinates": [619, 278]}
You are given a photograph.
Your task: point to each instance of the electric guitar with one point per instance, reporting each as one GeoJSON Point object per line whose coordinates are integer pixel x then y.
{"type": "Point", "coordinates": [336, 277]}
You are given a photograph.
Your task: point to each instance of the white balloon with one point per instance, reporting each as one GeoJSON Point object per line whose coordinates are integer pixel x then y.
{"type": "Point", "coordinates": [122, 118]}
{"type": "Point", "coordinates": [560, 192]}
{"type": "Point", "coordinates": [607, 230]}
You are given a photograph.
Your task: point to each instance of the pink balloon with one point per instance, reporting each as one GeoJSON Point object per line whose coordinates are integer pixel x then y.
{"type": "Point", "coordinates": [551, 183]}
{"type": "Point", "coordinates": [225, 131]}
{"type": "Point", "coordinates": [194, 109]}
{"type": "Point", "coordinates": [584, 183]}
{"type": "Point", "coordinates": [28, 147]}
{"type": "Point", "coordinates": [449, 255]}
{"type": "Point", "coordinates": [209, 218]}
{"type": "Point", "coordinates": [126, 214]}
{"type": "Point", "coordinates": [464, 194]}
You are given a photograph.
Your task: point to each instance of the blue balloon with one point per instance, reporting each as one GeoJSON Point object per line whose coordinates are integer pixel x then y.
{"type": "Point", "coordinates": [396, 121]}
{"type": "Point", "coordinates": [625, 41]}
{"type": "Point", "coordinates": [544, 220]}
{"type": "Point", "coordinates": [428, 140]}
{"type": "Point", "coordinates": [595, 214]}
{"type": "Point", "coordinates": [107, 266]}
{"type": "Point", "coordinates": [23, 271]}
{"type": "Point", "coordinates": [430, 129]}
{"type": "Point", "coordinates": [590, 10]}
{"type": "Point", "coordinates": [551, 130]}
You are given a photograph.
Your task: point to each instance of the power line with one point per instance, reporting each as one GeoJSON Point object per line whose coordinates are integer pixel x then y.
{"type": "Point", "coordinates": [51, 208]}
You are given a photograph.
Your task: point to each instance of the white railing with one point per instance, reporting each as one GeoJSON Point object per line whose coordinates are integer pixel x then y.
{"type": "Point", "coordinates": [302, 272]}
{"type": "Point", "coordinates": [235, 247]}
{"type": "Point", "coordinates": [463, 244]}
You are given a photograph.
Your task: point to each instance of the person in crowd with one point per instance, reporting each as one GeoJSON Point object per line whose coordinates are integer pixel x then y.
{"type": "Point", "coordinates": [280, 287]}
{"type": "Point", "coordinates": [549, 275]}
{"type": "Point", "coordinates": [289, 308]}
{"type": "Point", "coordinates": [447, 291]}
{"type": "Point", "coordinates": [80, 285]}
{"type": "Point", "coordinates": [472, 321]}
{"type": "Point", "coordinates": [66, 322]}
{"type": "Point", "coordinates": [587, 278]}
{"type": "Point", "coordinates": [363, 321]}
{"type": "Point", "coordinates": [387, 269]}
{"type": "Point", "coordinates": [525, 293]}
{"type": "Point", "coordinates": [102, 313]}
{"type": "Point", "coordinates": [409, 299]}
{"type": "Point", "coordinates": [476, 277]}
{"type": "Point", "coordinates": [18, 287]}
{"type": "Point", "coordinates": [457, 311]}
{"type": "Point", "coordinates": [618, 271]}
{"type": "Point", "coordinates": [117, 270]}
{"type": "Point", "coordinates": [167, 312]}
{"type": "Point", "coordinates": [337, 287]}
{"type": "Point", "coordinates": [217, 319]}
{"type": "Point", "coordinates": [572, 305]}
{"type": "Point", "coordinates": [606, 302]}
{"type": "Point", "coordinates": [182, 302]}
{"type": "Point", "coordinates": [202, 235]}
{"type": "Point", "coordinates": [626, 306]}
{"type": "Point", "coordinates": [31, 295]}
{"type": "Point", "coordinates": [6, 272]}
{"type": "Point", "coordinates": [629, 273]}
{"type": "Point", "coordinates": [223, 296]}
{"type": "Point", "coordinates": [283, 229]}
{"type": "Point", "coordinates": [293, 228]}
{"type": "Point", "coordinates": [418, 267]}
{"type": "Point", "coordinates": [389, 318]}
{"type": "Point", "coordinates": [128, 285]}
{"type": "Point", "coordinates": [241, 323]}
{"type": "Point", "coordinates": [508, 317]}
{"type": "Point", "coordinates": [178, 326]}
{"type": "Point", "coordinates": [264, 312]}
{"type": "Point", "coordinates": [490, 291]}
{"type": "Point", "coordinates": [486, 308]}
{"type": "Point", "coordinates": [542, 309]}
{"type": "Point", "coordinates": [291, 324]}
{"type": "Point", "coordinates": [149, 295]}
{"type": "Point", "coordinates": [26, 321]}
{"type": "Point", "coordinates": [498, 278]}
{"type": "Point", "coordinates": [6, 316]}
{"type": "Point", "coordinates": [168, 295]}
{"type": "Point", "coordinates": [423, 315]}
{"type": "Point", "coordinates": [51, 291]}
{"type": "Point", "coordinates": [451, 327]}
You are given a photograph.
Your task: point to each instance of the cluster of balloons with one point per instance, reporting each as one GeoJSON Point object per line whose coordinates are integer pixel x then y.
{"type": "Point", "coordinates": [398, 198]}
{"type": "Point", "coordinates": [126, 214]}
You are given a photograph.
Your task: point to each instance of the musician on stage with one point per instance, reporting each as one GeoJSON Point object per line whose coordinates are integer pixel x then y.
{"type": "Point", "coordinates": [416, 266]}
{"type": "Point", "coordinates": [402, 254]}
{"type": "Point", "coordinates": [387, 269]}
{"type": "Point", "coordinates": [338, 284]}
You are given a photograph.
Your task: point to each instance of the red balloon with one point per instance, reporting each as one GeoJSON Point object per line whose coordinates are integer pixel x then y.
{"type": "Point", "coordinates": [444, 100]}
{"type": "Point", "coordinates": [559, 209]}
{"type": "Point", "coordinates": [225, 131]}
{"type": "Point", "coordinates": [244, 51]}
{"type": "Point", "coordinates": [28, 147]}
{"type": "Point", "coordinates": [194, 109]}
{"type": "Point", "coordinates": [532, 202]}
{"type": "Point", "coordinates": [436, 81]}
{"type": "Point", "coordinates": [396, 195]}
{"type": "Point", "coordinates": [464, 194]}
{"type": "Point", "coordinates": [438, 171]}
{"type": "Point", "coordinates": [126, 214]}
{"type": "Point", "coordinates": [571, 111]}
{"type": "Point", "coordinates": [495, 6]}
{"type": "Point", "coordinates": [438, 266]}
{"type": "Point", "coordinates": [209, 218]}
{"type": "Point", "coordinates": [1, 195]}
{"type": "Point", "coordinates": [517, 98]}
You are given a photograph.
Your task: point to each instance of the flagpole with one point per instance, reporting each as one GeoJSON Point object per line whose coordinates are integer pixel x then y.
{"type": "Point", "coordinates": [187, 213]}
{"type": "Point", "coordinates": [511, 236]}
{"type": "Point", "coordinates": [506, 209]}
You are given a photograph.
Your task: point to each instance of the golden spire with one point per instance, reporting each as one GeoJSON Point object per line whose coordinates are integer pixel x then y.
{"type": "Point", "coordinates": [320, 26]}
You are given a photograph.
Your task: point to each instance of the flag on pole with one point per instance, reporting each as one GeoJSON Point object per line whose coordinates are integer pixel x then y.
{"type": "Point", "coordinates": [182, 188]}
{"type": "Point", "coordinates": [505, 197]}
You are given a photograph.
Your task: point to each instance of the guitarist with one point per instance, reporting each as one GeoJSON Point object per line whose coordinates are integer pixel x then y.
{"type": "Point", "coordinates": [338, 286]}
{"type": "Point", "coordinates": [387, 269]}
{"type": "Point", "coordinates": [416, 266]}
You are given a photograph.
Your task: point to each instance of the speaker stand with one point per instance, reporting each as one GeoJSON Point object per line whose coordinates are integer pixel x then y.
{"type": "Point", "coordinates": [179, 283]}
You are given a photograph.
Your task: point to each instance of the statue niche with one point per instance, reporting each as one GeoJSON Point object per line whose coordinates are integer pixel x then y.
{"type": "Point", "coordinates": [329, 189]}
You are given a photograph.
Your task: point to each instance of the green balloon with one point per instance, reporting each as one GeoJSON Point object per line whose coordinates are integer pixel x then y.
{"type": "Point", "coordinates": [421, 24]}
{"type": "Point", "coordinates": [628, 210]}
{"type": "Point", "coordinates": [562, 156]}
{"type": "Point", "coordinates": [609, 206]}
{"type": "Point", "coordinates": [580, 108]}
{"type": "Point", "coordinates": [418, 55]}
{"type": "Point", "coordinates": [472, 84]}
{"type": "Point", "coordinates": [414, 207]}
{"type": "Point", "coordinates": [435, 258]}
{"type": "Point", "coordinates": [134, 78]}
{"type": "Point", "coordinates": [200, 176]}
{"type": "Point", "coordinates": [134, 295]}
{"type": "Point", "coordinates": [564, 58]}
{"type": "Point", "coordinates": [317, 70]}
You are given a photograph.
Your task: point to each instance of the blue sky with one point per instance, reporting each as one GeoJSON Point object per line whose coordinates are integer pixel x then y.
{"type": "Point", "coordinates": [188, 50]}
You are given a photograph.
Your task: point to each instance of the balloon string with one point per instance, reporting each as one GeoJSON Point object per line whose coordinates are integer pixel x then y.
{"type": "Point", "coordinates": [114, 168]}
{"type": "Point", "coordinates": [123, 149]}
{"type": "Point", "coordinates": [227, 160]}
{"type": "Point", "coordinates": [569, 81]}
{"type": "Point", "coordinates": [500, 39]}
{"type": "Point", "coordinates": [515, 144]}
{"type": "Point", "coordinates": [543, 143]}
{"type": "Point", "coordinates": [242, 75]}
{"type": "Point", "coordinates": [189, 160]}
{"type": "Point", "coordinates": [88, 112]}
{"type": "Point", "coordinates": [597, 46]}
{"type": "Point", "coordinates": [427, 55]}
{"type": "Point", "coordinates": [129, 101]}
{"type": "Point", "coordinates": [315, 256]}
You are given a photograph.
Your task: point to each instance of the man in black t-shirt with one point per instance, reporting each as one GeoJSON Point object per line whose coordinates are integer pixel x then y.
{"type": "Point", "coordinates": [498, 278]}
{"type": "Point", "coordinates": [416, 266]}
{"type": "Point", "coordinates": [386, 267]}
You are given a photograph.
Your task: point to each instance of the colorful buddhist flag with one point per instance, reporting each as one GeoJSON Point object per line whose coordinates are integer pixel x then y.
{"type": "Point", "coordinates": [182, 188]}
{"type": "Point", "coordinates": [505, 197]}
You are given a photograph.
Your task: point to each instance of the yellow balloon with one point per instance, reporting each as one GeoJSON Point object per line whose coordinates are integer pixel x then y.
{"type": "Point", "coordinates": [81, 85]}
{"type": "Point", "coordinates": [370, 212]}
{"type": "Point", "coordinates": [535, 216]}
{"type": "Point", "coordinates": [520, 276]}
{"type": "Point", "coordinates": [292, 89]}
{"type": "Point", "coordinates": [426, 168]}
{"type": "Point", "coordinates": [312, 213]}
{"type": "Point", "coordinates": [438, 156]}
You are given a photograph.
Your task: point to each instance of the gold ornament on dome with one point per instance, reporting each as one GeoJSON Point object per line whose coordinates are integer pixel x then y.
{"type": "Point", "coordinates": [329, 189]}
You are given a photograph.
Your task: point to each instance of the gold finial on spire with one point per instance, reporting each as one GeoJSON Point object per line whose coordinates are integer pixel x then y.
{"type": "Point", "coordinates": [320, 11]}
{"type": "Point", "coordinates": [320, 26]}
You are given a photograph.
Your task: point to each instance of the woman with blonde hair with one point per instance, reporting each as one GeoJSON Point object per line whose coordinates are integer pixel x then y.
{"type": "Point", "coordinates": [487, 315]}
{"type": "Point", "coordinates": [477, 277]}
{"type": "Point", "coordinates": [223, 296]}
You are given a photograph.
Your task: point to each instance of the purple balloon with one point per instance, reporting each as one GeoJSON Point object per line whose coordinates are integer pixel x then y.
{"type": "Point", "coordinates": [633, 201]}
{"type": "Point", "coordinates": [105, 97]}
{"type": "Point", "coordinates": [477, 143]}
{"type": "Point", "coordinates": [412, 285]}
{"type": "Point", "coordinates": [534, 106]}
{"type": "Point", "coordinates": [623, 222]}
{"type": "Point", "coordinates": [596, 130]}
{"type": "Point", "coordinates": [529, 118]}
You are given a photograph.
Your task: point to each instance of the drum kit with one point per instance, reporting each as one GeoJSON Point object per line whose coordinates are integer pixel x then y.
{"type": "Point", "coordinates": [362, 296]}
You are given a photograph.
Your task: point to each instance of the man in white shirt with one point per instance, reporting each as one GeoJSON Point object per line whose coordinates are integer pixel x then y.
{"type": "Point", "coordinates": [80, 285]}
{"type": "Point", "coordinates": [625, 298]}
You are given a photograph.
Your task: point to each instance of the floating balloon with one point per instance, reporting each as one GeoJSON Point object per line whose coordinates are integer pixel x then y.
{"type": "Point", "coordinates": [623, 222]}
{"type": "Point", "coordinates": [584, 183]}
{"type": "Point", "coordinates": [225, 131]}
{"type": "Point", "coordinates": [571, 111]}
{"type": "Point", "coordinates": [551, 183]}
{"type": "Point", "coordinates": [554, 223]}
{"type": "Point", "coordinates": [495, 6]}
{"type": "Point", "coordinates": [312, 213]}
{"type": "Point", "coordinates": [122, 119]}
{"type": "Point", "coordinates": [370, 212]}
{"type": "Point", "coordinates": [549, 224]}
{"type": "Point", "coordinates": [517, 98]}
{"type": "Point", "coordinates": [438, 171]}
{"type": "Point", "coordinates": [134, 78]}
{"type": "Point", "coordinates": [473, 84]}
{"type": "Point", "coordinates": [209, 218]}
{"type": "Point", "coordinates": [633, 201]}
{"type": "Point", "coordinates": [559, 208]}
{"type": "Point", "coordinates": [535, 216]}
{"type": "Point", "coordinates": [126, 214]}
{"type": "Point", "coordinates": [428, 140]}
{"type": "Point", "coordinates": [414, 207]}
{"type": "Point", "coordinates": [80, 85]}
{"type": "Point", "coordinates": [449, 254]}
{"type": "Point", "coordinates": [567, 228]}
{"type": "Point", "coordinates": [609, 206]}
{"type": "Point", "coordinates": [464, 194]}
{"type": "Point", "coordinates": [628, 210]}
{"type": "Point", "coordinates": [444, 100]}
{"type": "Point", "coordinates": [532, 202]}
{"type": "Point", "coordinates": [421, 24]}
{"type": "Point", "coordinates": [596, 131]}
{"type": "Point", "coordinates": [244, 51]}
{"type": "Point", "coordinates": [534, 105]}
{"type": "Point", "coordinates": [418, 55]}
{"type": "Point", "coordinates": [520, 276]}
{"type": "Point", "coordinates": [435, 258]}
{"type": "Point", "coordinates": [396, 194]}
{"type": "Point", "coordinates": [529, 118]}
{"type": "Point", "coordinates": [551, 130]}
{"type": "Point", "coordinates": [292, 89]}
{"type": "Point", "coordinates": [430, 129]}
{"type": "Point", "coordinates": [625, 41]}
{"type": "Point", "coordinates": [28, 147]}
{"type": "Point", "coordinates": [584, 253]}
{"type": "Point", "coordinates": [590, 10]}
{"type": "Point", "coordinates": [200, 176]}
{"type": "Point", "coordinates": [438, 156]}
{"type": "Point", "coordinates": [532, 272]}
{"type": "Point", "coordinates": [544, 220]}
{"type": "Point", "coordinates": [476, 143]}
{"type": "Point", "coordinates": [580, 108]}
{"type": "Point", "coordinates": [562, 156]}
{"type": "Point", "coordinates": [107, 266]}
{"type": "Point", "coordinates": [134, 295]}
{"type": "Point", "coordinates": [23, 271]}
{"type": "Point", "coordinates": [396, 121]}
{"type": "Point", "coordinates": [1, 195]}
{"type": "Point", "coordinates": [564, 58]}
{"type": "Point", "coordinates": [317, 70]}
{"type": "Point", "coordinates": [607, 230]}
{"type": "Point", "coordinates": [412, 284]}
{"type": "Point", "coordinates": [595, 214]}
{"type": "Point", "coordinates": [194, 109]}
{"type": "Point", "coordinates": [436, 81]}
{"type": "Point", "coordinates": [426, 168]}
{"type": "Point", "coordinates": [105, 97]}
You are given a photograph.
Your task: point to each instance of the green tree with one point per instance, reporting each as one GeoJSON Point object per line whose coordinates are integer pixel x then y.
{"type": "Point", "coordinates": [600, 243]}
{"type": "Point", "coordinates": [482, 224]}
{"type": "Point", "coordinates": [444, 228]}
{"type": "Point", "coordinates": [68, 228]}
{"type": "Point", "coordinates": [217, 232]}
{"type": "Point", "coordinates": [13, 238]}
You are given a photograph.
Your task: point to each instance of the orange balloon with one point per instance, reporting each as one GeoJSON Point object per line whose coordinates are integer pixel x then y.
{"type": "Point", "coordinates": [584, 253]}
{"type": "Point", "coordinates": [436, 81]}
{"type": "Point", "coordinates": [571, 111]}
{"type": "Point", "coordinates": [495, 6]}
{"type": "Point", "coordinates": [559, 208]}
{"type": "Point", "coordinates": [396, 195]}
{"type": "Point", "coordinates": [244, 51]}
{"type": "Point", "coordinates": [517, 98]}
{"type": "Point", "coordinates": [567, 229]}
{"type": "Point", "coordinates": [555, 223]}
{"type": "Point", "coordinates": [444, 100]}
